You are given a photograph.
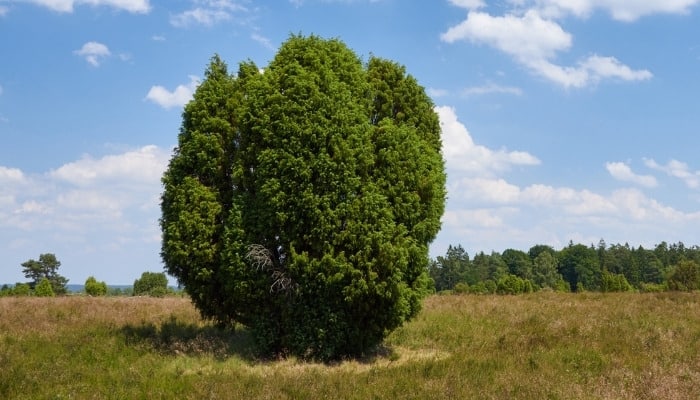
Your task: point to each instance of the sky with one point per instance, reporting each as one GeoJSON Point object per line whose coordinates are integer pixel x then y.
{"type": "Point", "coordinates": [562, 120]}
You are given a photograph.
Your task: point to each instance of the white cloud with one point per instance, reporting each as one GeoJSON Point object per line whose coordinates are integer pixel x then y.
{"type": "Point", "coordinates": [207, 13]}
{"type": "Point", "coordinates": [534, 40]}
{"type": "Point", "coordinates": [33, 207]}
{"type": "Point", "coordinates": [623, 172]}
{"type": "Point", "coordinates": [145, 165]}
{"type": "Point", "coordinates": [484, 190]}
{"type": "Point", "coordinates": [434, 93]}
{"type": "Point", "coordinates": [265, 42]}
{"type": "Point", "coordinates": [108, 205]}
{"type": "Point", "coordinates": [677, 169]}
{"type": "Point", "coordinates": [462, 154]}
{"type": "Point", "coordinates": [94, 53]}
{"type": "Point", "coordinates": [620, 10]}
{"type": "Point", "coordinates": [492, 89]}
{"type": "Point", "coordinates": [468, 4]}
{"type": "Point", "coordinates": [487, 211]}
{"type": "Point", "coordinates": [177, 98]}
{"type": "Point", "coordinates": [3, 11]}
{"type": "Point", "coordinates": [478, 217]}
{"type": "Point", "coordinates": [527, 37]}
{"type": "Point", "coordinates": [11, 175]}
{"type": "Point", "coordinates": [67, 6]}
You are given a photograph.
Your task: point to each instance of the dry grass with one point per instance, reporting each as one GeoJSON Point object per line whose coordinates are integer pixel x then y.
{"type": "Point", "coordinates": [545, 345]}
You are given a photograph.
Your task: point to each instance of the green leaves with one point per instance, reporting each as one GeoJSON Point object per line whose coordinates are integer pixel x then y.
{"type": "Point", "coordinates": [45, 268]}
{"type": "Point", "coordinates": [329, 169]}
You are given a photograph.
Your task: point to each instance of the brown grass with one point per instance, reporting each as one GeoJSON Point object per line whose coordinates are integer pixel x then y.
{"type": "Point", "coordinates": [540, 346]}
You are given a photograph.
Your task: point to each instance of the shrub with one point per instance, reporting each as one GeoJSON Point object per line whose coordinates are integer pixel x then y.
{"type": "Point", "coordinates": [151, 284]}
{"type": "Point", "coordinates": [95, 288]}
{"type": "Point", "coordinates": [21, 289]}
{"type": "Point", "coordinates": [461, 288]}
{"type": "Point", "coordinates": [685, 277]}
{"type": "Point", "coordinates": [44, 289]}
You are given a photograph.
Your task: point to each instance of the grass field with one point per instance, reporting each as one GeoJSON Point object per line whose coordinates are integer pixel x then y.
{"type": "Point", "coordinates": [539, 346]}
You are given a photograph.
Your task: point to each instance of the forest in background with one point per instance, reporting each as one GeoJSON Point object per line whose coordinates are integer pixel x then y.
{"type": "Point", "coordinates": [575, 268]}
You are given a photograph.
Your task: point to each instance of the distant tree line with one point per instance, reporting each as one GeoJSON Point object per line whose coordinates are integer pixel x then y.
{"type": "Point", "coordinates": [45, 281]}
{"type": "Point", "coordinates": [575, 268]}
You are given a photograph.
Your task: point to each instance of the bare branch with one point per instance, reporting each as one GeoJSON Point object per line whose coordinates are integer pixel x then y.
{"type": "Point", "coordinates": [260, 257]}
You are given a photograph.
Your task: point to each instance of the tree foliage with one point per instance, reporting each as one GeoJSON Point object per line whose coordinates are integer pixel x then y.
{"type": "Point", "coordinates": [685, 276]}
{"type": "Point", "coordinates": [301, 201]}
{"type": "Point", "coordinates": [606, 268]}
{"type": "Point", "coordinates": [450, 270]}
{"type": "Point", "coordinates": [45, 268]}
{"type": "Point", "coordinates": [151, 284]}
{"type": "Point", "coordinates": [44, 289]}
{"type": "Point", "coordinates": [95, 288]}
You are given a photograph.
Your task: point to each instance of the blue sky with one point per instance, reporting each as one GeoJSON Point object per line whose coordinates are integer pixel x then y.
{"type": "Point", "coordinates": [562, 120]}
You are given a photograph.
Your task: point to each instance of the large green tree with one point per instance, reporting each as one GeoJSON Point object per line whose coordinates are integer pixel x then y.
{"type": "Point", "coordinates": [45, 268]}
{"type": "Point", "coordinates": [580, 267]}
{"type": "Point", "coordinates": [301, 200]}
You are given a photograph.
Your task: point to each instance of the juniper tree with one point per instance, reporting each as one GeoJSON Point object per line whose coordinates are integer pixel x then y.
{"type": "Point", "coordinates": [301, 200]}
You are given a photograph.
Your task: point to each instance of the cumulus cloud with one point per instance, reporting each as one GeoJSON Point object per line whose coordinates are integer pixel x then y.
{"type": "Point", "coordinates": [623, 172]}
{"type": "Point", "coordinates": [177, 98]}
{"type": "Point", "coordinates": [92, 208]}
{"type": "Point", "coordinates": [10, 175]}
{"type": "Point", "coordinates": [88, 195]}
{"type": "Point", "coordinates": [534, 41]}
{"type": "Point", "coordinates": [144, 165]}
{"type": "Point", "coordinates": [462, 154]}
{"type": "Point", "coordinates": [491, 211]}
{"type": "Point", "coordinates": [93, 52]}
{"type": "Point", "coordinates": [67, 6]}
{"type": "Point", "coordinates": [677, 169]}
{"type": "Point", "coordinates": [208, 13]}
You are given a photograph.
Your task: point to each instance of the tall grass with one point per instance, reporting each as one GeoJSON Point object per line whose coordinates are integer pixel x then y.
{"type": "Point", "coordinates": [539, 346]}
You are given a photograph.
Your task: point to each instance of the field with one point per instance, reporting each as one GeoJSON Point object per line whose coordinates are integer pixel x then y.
{"type": "Point", "coordinates": [539, 346]}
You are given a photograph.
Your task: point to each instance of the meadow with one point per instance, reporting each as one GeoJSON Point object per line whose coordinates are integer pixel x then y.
{"type": "Point", "coordinates": [536, 346]}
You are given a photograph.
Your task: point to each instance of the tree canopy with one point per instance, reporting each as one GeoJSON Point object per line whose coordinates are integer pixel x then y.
{"type": "Point", "coordinates": [45, 268]}
{"type": "Point", "coordinates": [301, 200]}
{"type": "Point", "coordinates": [150, 283]}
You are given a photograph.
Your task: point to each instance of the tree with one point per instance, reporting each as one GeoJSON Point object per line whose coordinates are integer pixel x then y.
{"type": "Point", "coordinates": [518, 262]}
{"type": "Point", "coordinates": [580, 267]}
{"type": "Point", "coordinates": [614, 283]}
{"type": "Point", "coordinates": [450, 269]}
{"type": "Point", "coordinates": [95, 288]}
{"type": "Point", "coordinates": [152, 284]}
{"type": "Point", "coordinates": [46, 267]}
{"type": "Point", "coordinates": [685, 277]}
{"type": "Point", "coordinates": [301, 201]}
{"type": "Point", "coordinates": [512, 284]}
{"type": "Point", "coordinates": [544, 272]}
{"type": "Point", "coordinates": [44, 289]}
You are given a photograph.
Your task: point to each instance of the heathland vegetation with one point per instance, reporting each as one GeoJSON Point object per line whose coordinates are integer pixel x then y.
{"type": "Point", "coordinates": [545, 345]}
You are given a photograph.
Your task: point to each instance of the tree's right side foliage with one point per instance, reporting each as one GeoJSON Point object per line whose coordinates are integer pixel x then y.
{"type": "Point", "coordinates": [301, 199]}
